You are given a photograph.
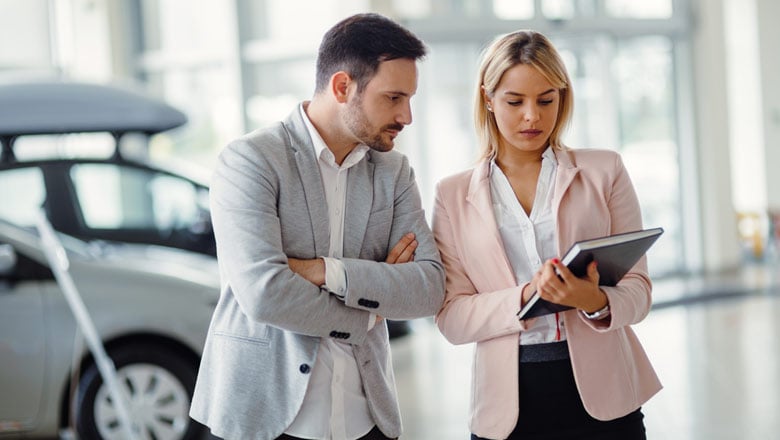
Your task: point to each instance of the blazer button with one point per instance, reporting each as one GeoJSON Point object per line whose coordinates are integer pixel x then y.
{"type": "Point", "coordinates": [368, 303]}
{"type": "Point", "coordinates": [304, 368]}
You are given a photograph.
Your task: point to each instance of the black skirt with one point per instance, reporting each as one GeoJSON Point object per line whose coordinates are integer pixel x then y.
{"type": "Point", "coordinates": [551, 408]}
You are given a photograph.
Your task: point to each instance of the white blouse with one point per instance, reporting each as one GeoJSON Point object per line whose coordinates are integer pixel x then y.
{"type": "Point", "coordinates": [529, 240]}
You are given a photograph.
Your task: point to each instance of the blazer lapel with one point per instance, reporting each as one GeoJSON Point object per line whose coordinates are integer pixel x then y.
{"type": "Point", "coordinates": [309, 172]}
{"type": "Point", "coordinates": [481, 201]}
{"type": "Point", "coordinates": [360, 199]}
{"type": "Point", "coordinates": [567, 171]}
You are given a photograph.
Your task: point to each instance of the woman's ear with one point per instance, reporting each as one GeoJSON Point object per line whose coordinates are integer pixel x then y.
{"type": "Point", "coordinates": [486, 98]}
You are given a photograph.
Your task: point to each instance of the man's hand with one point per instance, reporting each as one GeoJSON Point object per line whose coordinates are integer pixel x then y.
{"type": "Point", "coordinates": [312, 270]}
{"type": "Point", "coordinates": [403, 251]}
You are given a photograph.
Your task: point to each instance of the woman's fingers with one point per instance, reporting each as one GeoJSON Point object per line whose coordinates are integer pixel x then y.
{"type": "Point", "coordinates": [559, 285]}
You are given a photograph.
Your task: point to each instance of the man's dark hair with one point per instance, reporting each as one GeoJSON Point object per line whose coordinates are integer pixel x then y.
{"type": "Point", "coordinates": [359, 43]}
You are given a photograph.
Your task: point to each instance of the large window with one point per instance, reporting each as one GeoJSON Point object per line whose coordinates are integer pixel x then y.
{"type": "Point", "coordinates": [243, 66]}
{"type": "Point", "coordinates": [187, 55]}
{"type": "Point", "coordinates": [234, 66]}
{"type": "Point", "coordinates": [621, 56]}
{"type": "Point", "coordinates": [624, 100]}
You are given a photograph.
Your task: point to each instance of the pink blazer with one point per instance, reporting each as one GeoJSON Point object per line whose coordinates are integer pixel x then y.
{"type": "Point", "coordinates": [593, 197]}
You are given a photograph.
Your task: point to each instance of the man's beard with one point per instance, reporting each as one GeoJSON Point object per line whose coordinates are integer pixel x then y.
{"type": "Point", "coordinates": [357, 122]}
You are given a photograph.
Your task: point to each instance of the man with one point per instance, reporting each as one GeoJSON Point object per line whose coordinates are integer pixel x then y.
{"type": "Point", "coordinates": [320, 235]}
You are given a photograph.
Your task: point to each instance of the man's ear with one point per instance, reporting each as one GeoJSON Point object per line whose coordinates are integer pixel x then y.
{"type": "Point", "coordinates": [339, 86]}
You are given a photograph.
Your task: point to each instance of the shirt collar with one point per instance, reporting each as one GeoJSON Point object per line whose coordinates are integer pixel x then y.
{"type": "Point", "coordinates": [549, 155]}
{"type": "Point", "coordinates": [321, 150]}
{"type": "Point", "coordinates": [548, 158]}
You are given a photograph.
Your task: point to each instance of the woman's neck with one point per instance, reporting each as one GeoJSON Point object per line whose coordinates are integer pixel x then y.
{"type": "Point", "coordinates": [512, 160]}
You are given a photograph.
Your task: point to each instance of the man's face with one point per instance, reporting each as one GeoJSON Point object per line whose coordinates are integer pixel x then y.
{"type": "Point", "coordinates": [380, 112]}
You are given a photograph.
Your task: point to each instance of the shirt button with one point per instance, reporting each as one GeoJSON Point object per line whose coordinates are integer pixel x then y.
{"type": "Point", "coordinates": [304, 368]}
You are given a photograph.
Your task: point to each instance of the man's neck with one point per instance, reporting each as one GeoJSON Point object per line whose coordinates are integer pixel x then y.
{"type": "Point", "coordinates": [324, 117]}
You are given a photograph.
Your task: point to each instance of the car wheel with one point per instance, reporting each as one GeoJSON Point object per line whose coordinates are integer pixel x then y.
{"type": "Point", "coordinates": [158, 383]}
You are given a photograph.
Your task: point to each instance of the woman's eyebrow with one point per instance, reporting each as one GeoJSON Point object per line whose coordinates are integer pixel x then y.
{"type": "Point", "coordinates": [523, 94]}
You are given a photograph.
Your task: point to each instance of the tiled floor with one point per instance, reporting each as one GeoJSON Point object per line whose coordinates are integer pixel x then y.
{"type": "Point", "coordinates": [714, 341]}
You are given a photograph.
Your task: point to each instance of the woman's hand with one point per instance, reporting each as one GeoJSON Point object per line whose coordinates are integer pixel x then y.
{"type": "Point", "coordinates": [403, 251]}
{"type": "Point", "coordinates": [557, 284]}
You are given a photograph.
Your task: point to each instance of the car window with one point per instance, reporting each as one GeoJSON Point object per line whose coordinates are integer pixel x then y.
{"type": "Point", "coordinates": [24, 192]}
{"type": "Point", "coordinates": [119, 197]}
{"type": "Point", "coordinates": [47, 146]}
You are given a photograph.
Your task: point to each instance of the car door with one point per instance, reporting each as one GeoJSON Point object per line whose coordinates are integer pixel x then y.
{"type": "Point", "coordinates": [22, 339]}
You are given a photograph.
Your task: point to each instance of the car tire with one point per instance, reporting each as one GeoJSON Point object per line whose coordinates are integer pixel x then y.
{"type": "Point", "coordinates": [159, 383]}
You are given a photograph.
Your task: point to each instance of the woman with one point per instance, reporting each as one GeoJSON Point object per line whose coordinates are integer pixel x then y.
{"type": "Point", "coordinates": [578, 374]}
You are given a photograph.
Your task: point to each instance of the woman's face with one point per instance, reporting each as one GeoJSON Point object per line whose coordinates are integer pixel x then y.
{"type": "Point", "coordinates": [525, 105]}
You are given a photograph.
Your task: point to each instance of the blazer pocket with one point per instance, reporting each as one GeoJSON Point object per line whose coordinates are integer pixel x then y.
{"type": "Point", "coordinates": [239, 338]}
{"type": "Point", "coordinates": [257, 334]}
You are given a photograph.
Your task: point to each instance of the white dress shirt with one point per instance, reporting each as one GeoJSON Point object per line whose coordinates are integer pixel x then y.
{"type": "Point", "coordinates": [335, 406]}
{"type": "Point", "coordinates": [529, 240]}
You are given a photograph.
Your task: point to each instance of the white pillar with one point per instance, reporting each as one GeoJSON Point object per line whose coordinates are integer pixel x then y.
{"type": "Point", "coordinates": [768, 12]}
{"type": "Point", "coordinates": [744, 106]}
{"type": "Point", "coordinates": [718, 228]}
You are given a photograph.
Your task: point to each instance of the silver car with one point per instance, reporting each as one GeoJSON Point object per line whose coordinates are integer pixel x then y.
{"type": "Point", "coordinates": [151, 306]}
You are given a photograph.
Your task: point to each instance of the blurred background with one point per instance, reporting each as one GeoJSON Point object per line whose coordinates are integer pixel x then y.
{"type": "Point", "coordinates": [685, 90]}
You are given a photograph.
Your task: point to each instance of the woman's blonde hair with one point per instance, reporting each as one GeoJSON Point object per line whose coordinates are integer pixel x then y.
{"type": "Point", "coordinates": [522, 47]}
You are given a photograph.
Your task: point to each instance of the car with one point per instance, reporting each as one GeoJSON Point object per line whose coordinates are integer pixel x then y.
{"type": "Point", "coordinates": [151, 306]}
{"type": "Point", "coordinates": [111, 198]}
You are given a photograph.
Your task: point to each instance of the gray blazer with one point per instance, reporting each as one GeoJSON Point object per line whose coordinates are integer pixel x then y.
{"type": "Point", "coordinates": [268, 203]}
